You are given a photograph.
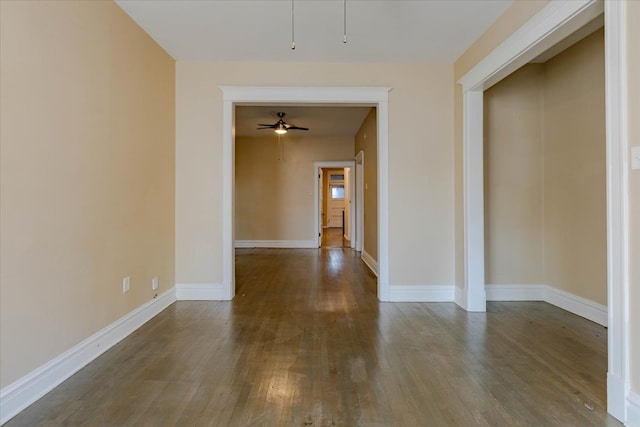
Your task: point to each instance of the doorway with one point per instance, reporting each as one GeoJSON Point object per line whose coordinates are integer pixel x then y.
{"type": "Point", "coordinates": [335, 217]}
{"type": "Point", "coordinates": [246, 95]}
{"type": "Point", "coordinates": [554, 23]}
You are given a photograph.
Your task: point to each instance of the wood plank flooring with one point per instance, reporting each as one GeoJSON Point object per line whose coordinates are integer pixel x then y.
{"type": "Point", "coordinates": [306, 343]}
{"type": "Point", "coordinates": [333, 238]}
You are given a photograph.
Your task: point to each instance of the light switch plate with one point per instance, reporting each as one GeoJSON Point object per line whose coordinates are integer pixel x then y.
{"type": "Point", "coordinates": [635, 158]}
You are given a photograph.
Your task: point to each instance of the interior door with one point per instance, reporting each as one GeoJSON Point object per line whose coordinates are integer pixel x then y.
{"type": "Point", "coordinates": [320, 205]}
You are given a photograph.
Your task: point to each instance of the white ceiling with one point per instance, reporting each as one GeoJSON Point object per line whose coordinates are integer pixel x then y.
{"type": "Point", "coordinates": [260, 30]}
{"type": "Point", "coordinates": [321, 121]}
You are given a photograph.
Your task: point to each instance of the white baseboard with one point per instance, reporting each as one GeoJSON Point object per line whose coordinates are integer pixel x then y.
{"type": "Point", "coordinates": [20, 394]}
{"type": "Point", "coordinates": [459, 297]}
{"type": "Point", "coordinates": [581, 306]}
{"type": "Point", "coordinates": [616, 396]}
{"type": "Point", "coordinates": [515, 292]}
{"type": "Point", "coordinates": [283, 244]}
{"type": "Point", "coordinates": [422, 293]}
{"type": "Point", "coordinates": [633, 410]}
{"type": "Point", "coordinates": [567, 301]}
{"type": "Point", "coordinates": [370, 262]}
{"type": "Point", "coordinates": [201, 292]}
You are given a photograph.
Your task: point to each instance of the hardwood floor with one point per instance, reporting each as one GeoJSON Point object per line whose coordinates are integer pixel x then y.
{"type": "Point", "coordinates": [306, 343]}
{"type": "Point", "coordinates": [333, 238]}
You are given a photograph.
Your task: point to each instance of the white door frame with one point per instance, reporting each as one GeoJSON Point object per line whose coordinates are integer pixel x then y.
{"type": "Point", "coordinates": [320, 227]}
{"type": "Point", "coordinates": [350, 173]}
{"type": "Point", "coordinates": [316, 194]}
{"type": "Point", "coordinates": [359, 228]}
{"type": "Point", "coordinates": [553, 23]}
{"type": "Point", "coordinates": [377, 97]}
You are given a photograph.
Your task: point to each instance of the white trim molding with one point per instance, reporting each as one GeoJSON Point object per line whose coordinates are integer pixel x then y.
{"type": "Point", "coordinates": [228, 200]}
{"type": "Point", "coordinates": [575, 304]}
{"type": "Point", "coordinates": [19, 395]}
{"type": "Point", "coordinates": [618, 375]}
{"type": "Point", "coordinates": [552, 24]}
{"type": "Point", "coordinates": [286, 244]}
{"type": "Point", "coordinates": [382, 115]}
{"type": "Point", "coordinates": [633, 410]}
{"type": "Point", "coordinates": [473, 293]}
{"type": "Point", "coordinates": [201, 292]}
{"type": "Point", "coordinates": [572, 303]}
{"type": "Point", "coordinates": [370, 262]}
{"type": "Point", "coordinates": [516, 292]}
{"type": "Point", "coordinates": [422, 293]}
{"type": "Point", "coordinates": [243, 95]}
{"type": "Point", "coordinates": [359, 200]}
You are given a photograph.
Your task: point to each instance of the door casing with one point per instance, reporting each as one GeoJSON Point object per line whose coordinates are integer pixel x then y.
{"type": "Point", "coordinates": [233, 96]}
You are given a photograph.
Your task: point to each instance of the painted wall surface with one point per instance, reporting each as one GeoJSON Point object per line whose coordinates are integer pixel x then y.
{"type": "Point", "coordinates": [545, 177]}
{"type": "Point", "coordinates": [87, 175]}
{"type": "Point", "coordinates": [511, 20]}
{"type": "Point", "coordinates": [420, 153]}
{"type": "Point", "coordinates": [633, 71]}
{"type": "Point", "coordinates": [367, 142]}
{"type": "Point", "coordinates": [275, 188]}
{"type": "Point", "coordinates": [575, 200]}
{"type": "Point", "coordinates": [513, 179]}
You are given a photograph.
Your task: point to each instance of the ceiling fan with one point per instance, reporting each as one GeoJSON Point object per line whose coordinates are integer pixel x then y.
{"type": "Point", "coordinates": [281, 127]}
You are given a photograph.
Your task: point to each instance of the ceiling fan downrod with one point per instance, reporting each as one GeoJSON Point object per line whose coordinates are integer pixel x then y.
{"type": "Point", "coordinates": [344, 38]}
{"type": "Point", "coordinates": [293, 24]}
{"type": "Point", "coordinates": [293, 33]}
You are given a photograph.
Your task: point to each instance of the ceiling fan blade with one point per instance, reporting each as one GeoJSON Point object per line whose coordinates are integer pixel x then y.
{"type": "Point", "coordinates": [265, 128]}
{"type": "Point", "coordinates": [296, 128]}
{"type": "Point", "coordinates": [268, 126]}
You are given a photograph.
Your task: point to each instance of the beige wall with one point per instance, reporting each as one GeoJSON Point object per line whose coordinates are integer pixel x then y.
{"type": "Point", "coordinates": [545, 181]}
{"type": "Point", "coordinates": [87, 175]}
{"type": "Point", "coordinates": [513, 179]}
{"type": "Point", "coordinates": [633, 71]}
{"type": "Point", "coordinates": [274, 193]}
{"type": "Point", "coordinates": [367, 142]}
{"type": "Point", "coordinates": [575, 223]}
{"type": "Point", "coordinates": [420, 153]}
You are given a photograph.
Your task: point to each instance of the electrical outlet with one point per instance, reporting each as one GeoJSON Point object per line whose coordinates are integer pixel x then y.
{"type": "Point", "coordinates": [154, 283]}
{"type": "Point", "coordinates": [126, 284]}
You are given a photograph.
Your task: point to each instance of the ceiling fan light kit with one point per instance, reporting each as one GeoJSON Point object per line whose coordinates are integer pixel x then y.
{"type": "Point", "coordinates": [280, 127]}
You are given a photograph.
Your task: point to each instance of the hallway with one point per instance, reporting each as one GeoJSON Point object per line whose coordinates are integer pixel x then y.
{"type": "Point", "coordinates": [305, 342]}
{"type": "Point", "coordinates": [333, 238]}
